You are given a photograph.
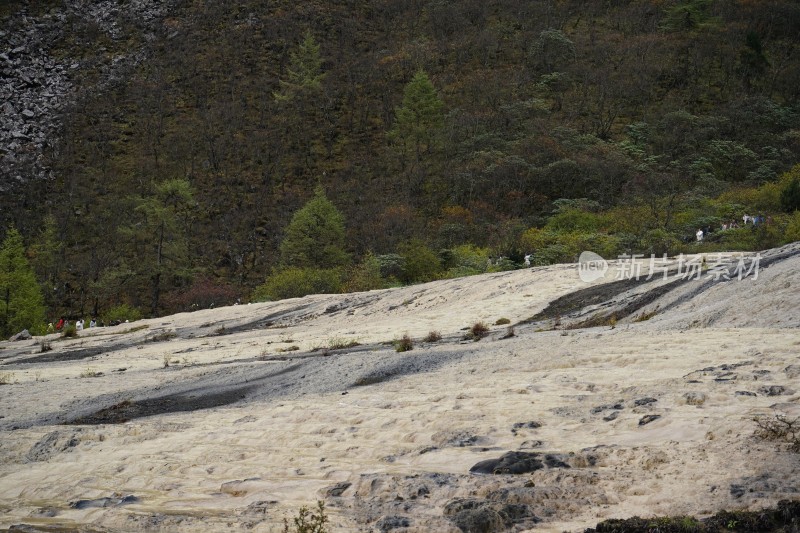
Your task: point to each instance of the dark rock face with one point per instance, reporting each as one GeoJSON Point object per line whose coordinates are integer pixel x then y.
{"type": "Point", "coordinates": [388, 523]}
{"type": "Point", "coordinates": [509, 463]}
{"type": "Point", "coordinates": [647, 419]}
{"type": "Point", "coordinates": [644, 401]}
{"type": "Point", "coordinates": [53, 443]}
{"type": "Point", "coordinates": [41, 77]}
{"type": "Point", "coordinates": [519, 463]}
{"type": "Point", "coordinates": [105, 502]}
{"type": "Point", "coordinates": [479, 516]}
{"type": "Point", "coordinates": [338, 489]}
{"type": "Point", "coordinates": [525, 425]}
{"type": "Point", "coordinates": [772, 390]}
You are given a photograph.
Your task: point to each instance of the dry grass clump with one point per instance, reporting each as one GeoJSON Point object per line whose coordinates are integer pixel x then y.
{"type": "Point", "coordinates": [477, 331]}
{"type": "Point", "coordinates": [339, 344]}
{"type": "Point", "coordinates": [502, 322]}
{"type": "Point", "coordinates": [644, 316]}
{"type": "Point", "coordinates": [292, 348]}
{"type": "Point", "coordinates": [90, 373]}
{"type": "Point", "coordinates": [432, 336]}
{"type": "Point", "coordinates": [779, 429]}
{"type": "Point", "coordinates": [163, 336]}
{"type": "Point", "coordinates": [404, 344]}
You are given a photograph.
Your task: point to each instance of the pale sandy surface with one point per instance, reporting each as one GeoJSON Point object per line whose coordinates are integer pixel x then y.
{"type": "Point", "coordinates": [406, 442]}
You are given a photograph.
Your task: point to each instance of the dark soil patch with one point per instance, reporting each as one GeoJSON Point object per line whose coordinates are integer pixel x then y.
{"type": "Point", "coordinates": [373, 379]}
{"type": "Point", "coordinates": [128, 410]}
{"type": "Point", "coordinates": [72, 355]}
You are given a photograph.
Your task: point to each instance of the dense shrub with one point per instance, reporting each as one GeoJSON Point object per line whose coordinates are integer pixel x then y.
{"type": "Point", "coordinates": [366, 275]}
{"type": "Point", "coordinates": [790, 196]}
{"type": "Point", "coordinates": [121, 313]}
{"type": "Point", "coordinates": [204, 293]}
{"type": "Point", "coordinates": [421, 263]}
{"type": "Point", "coordinates": [297, 282]}
{"type": "Point", "coordinates": [308, 521]}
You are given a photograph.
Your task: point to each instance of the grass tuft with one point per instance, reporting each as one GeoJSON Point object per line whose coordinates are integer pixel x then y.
{"type": "Point", "coordinates": [432, 336]}
{"type": "Point", "coordinates": [404, 344]}
{"type": "Point", "coordinates": [478, 331]}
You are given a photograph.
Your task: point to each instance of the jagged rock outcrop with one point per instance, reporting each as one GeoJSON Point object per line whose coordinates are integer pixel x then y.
{"type": "Point", "coordinates": [49, 58]}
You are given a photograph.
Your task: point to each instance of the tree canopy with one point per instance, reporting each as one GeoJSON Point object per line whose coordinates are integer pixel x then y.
{"type": "Point", "coordinates": [315, 237]}
{"type": "Point", "coordinates": [21, 301]}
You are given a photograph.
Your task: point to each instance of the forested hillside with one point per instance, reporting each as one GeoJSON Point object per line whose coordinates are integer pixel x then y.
{"type": "Point", "coordinates": [518, 127]}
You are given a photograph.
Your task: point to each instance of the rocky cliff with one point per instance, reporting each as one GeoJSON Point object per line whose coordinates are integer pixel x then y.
{"type": "Point", "coordinates": [52, 54]}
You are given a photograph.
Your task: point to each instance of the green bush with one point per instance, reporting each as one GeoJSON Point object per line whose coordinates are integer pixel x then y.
{"type": "Point", "coordinates": [22, 303]}
{"type": "Point", "coordinates": [550, 246]}
{"type": "Point", "coordinates": [365, 276]}
{"type": "Point", "coordinates": [421, 263]}
{"type": "Point", "coordinates": [392, 266]}
{"type": "Point", "coordinates": [659, 241]}
{"type": "Point", "coordinates": [790, 196]}
{"type": "Point", "coordinates": [572, 219]}
{"type": "Point", "coordinates": [70, 331]}
{"type": "Point", "coordinates": [296, 282]}
{"type": "Point", "coordinates": [792, 233]}
{"type": "Point", "coordinates": [308, 521]}
{"type": "Point", "coordinates": [121, 313]}
{"type": "Point", "coordinates": [466, 260]}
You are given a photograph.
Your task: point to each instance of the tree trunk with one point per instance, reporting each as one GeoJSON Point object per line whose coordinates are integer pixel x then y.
{"type": "Point", "coordinates": [157, 276]}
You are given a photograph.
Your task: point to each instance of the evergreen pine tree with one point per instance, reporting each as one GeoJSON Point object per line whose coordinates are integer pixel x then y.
{"type": "Point", "coordinates": [419, 119]}
{"type": "Point", "coordinates": [315, 237]}
{"type": "Point", "coordinates": [790, 196]}
{"type": "Point", "coordinates": [44, 254]}
{"type": "Point", "coordinates": [161, 234]}
{"type": "Point", "coordinates": [304, 73]}
{"type": "Point", "coordinates": [21, 301]}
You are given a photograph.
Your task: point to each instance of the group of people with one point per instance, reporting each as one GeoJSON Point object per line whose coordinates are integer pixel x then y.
{"type": "Point", "coordinates": [749, 219]}
{"type": "Point", "coordinates": [755, 220]}
{"type": "Point", "coordinates": [79, 325]}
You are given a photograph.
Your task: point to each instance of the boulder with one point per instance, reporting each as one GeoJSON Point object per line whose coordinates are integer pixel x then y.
{"type": "Point", "coordinates": [23, 335]}
{"type": "Point", "coordinates": [509, 463]}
